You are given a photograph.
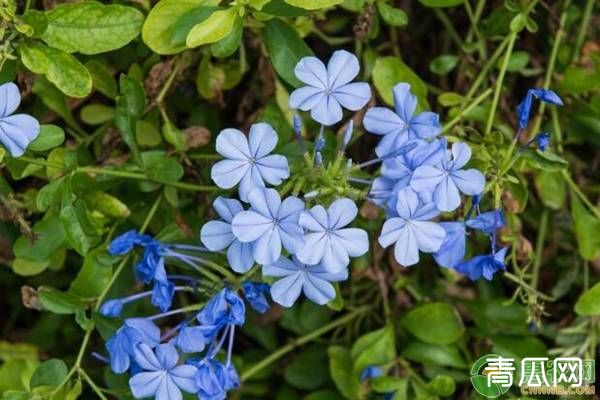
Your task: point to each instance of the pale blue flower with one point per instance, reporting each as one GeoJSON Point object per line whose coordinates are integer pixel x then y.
{"type": "Point", "coordinates": [247, 160]}
{"type": "Point", "coordinates": [485, 266]}
{"type": "Point", "coordinates": [191, 339]}
{"type": "Point", "coordinates": [297, 277]}
{"type": "Point", "coordinates": [269, 225]}
{"type": "Point", "coordinates": [488, 222]}
{"type": "Point", "coordinates": [524, 108]}
{"type": "Point", "coordinates": [329, 89]}
{"type": "Point", "coordinates": [161, 378]}
{"type": "Point", "coordinates": [214, 379]}
{"type": "Point", "coordinates": [217, 235]}
{"type": "Point", "coordinates": [402, 125]}
{"type": "Point", "coordinates": [16, 130]}
{"type": "Point", "coordinates": [452, 250]}
{"type": "Point", "coordinates": [412, 231]}
{"type": "Point", "coordinates": [121, 345]}
{"type": "Point", "coordinates": [327, 241]}
{"type": "Point", "coordinates": [448, 179]}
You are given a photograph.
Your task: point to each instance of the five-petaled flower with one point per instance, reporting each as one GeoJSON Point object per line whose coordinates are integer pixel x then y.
{"type": "Point", "coordinates": [328, 241]}
{"type": "Point", "coordinates": [16, 130]}
{"type": "Point", "coordinates": [329, 89]}
{"type": "Point", "coordinates": [217, 235]}
{"type": "Point", "coordinates": [247, 160]}
{"type": "Point", "coordinates": [483, 266]}
{"type": "Point", "coordinates": [270, 224]}
{"type": "Point", "coordinates": [399, 127]}
{"type": "Point", "coordinates": [297, 277]}
{"type": "Point", "coordinates": [412, 229]}
{"type": "Point", "coordinates": [161, 378]}
{"type": "Point", "coordinates": [447, 178]}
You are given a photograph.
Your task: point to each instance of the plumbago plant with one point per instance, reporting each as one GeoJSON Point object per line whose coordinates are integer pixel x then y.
{"type": "Point", "coordinates": [294, 199]}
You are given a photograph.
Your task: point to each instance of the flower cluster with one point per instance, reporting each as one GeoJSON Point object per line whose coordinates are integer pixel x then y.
{"type": "Point", "coordinates": [187, 357]}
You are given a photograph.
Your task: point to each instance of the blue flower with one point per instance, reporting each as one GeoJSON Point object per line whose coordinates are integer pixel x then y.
{"type": "Point", "coordinates": [125, 242]}
{"type": "Point", "coordinates": [524, 108]}
{"type": "Point", "coordinates": [191, 339]}
{"type": "Point", "coordinates": [329, 89]}
{"type": "Point", "coordinates": [225, 308]}
{"type": "Point", "coordinates": [488, 222]}
{"type": "Point", "coordinates": [255, 295]}
{"type": "Point", "coordinates": [214, 379]}
{"type": "Point", "coordinates": [412, 229]}
{"type": "Point", "coordinates": [122, 344]}
{"type": "Point", "coordinates": [327, 241]}
{"type": "Point", "coordinates": [543, 140]}
{"type": "Point", "coordinates": [270, 224]}
{"type": "Point", "coordinates": [217, 235]}
{"type": "Point", "coordinates": [112, 308]}
{"type": "Point", "coordinates": [399, 127]}
{"type": "Point", "coordinates": [370, 372]}
{"type": "Point", "coordinates": [452, 250]}
{"type": "Point", "coordinates": [447, 178]}
{"type": "Point", "coordinates": [16, 130]}
{"type": "Point", "coordinates": [485, 266]}
{"type": "Point", "coordinates": [247, 160]}
{"type": "Point", "coordinates": [163, 290]}
{"type": "Point", "coordinates": [296, 277]}
{"type": "Point", "coordinates": [161, 378]}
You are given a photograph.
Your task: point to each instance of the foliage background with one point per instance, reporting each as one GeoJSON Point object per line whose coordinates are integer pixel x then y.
{"type": "Point", "coordinates": [131, 110]}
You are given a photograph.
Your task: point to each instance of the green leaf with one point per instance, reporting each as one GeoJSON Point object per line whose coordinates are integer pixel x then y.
{"type": "Point", "coordinates": [436, 323]}
{"type": "Point", "coordinates": [387, 384]}
{"type": "Point", "coordinates": [282, 9]}
{"type": "Point", "coordinates": [50, 136]}
{"type": "Point", "coordinates": [518, 23]}
{"type": "Point", "coordinates": [49, 237]}
{"type": "Point", "coordinates": [443, 64]}
{"type": "Point", "coordinates": [389, 71]}
{"type": "Point", "coordinates": [90, 27]}
{"type": "Point", "coordinates": [313, 4]}
{"type": "Point", "coordinates": [94, 275]}
{"type": "Point", "coordinates": [544, 160]}
{"type": "Point", "coordinates": [106, 204]}
{"type": "Point", "coordinates": [229, 44]}
{"type": "Point", "coordinates": [58, 302]}
{"type": "Point", "coordinates": [162, 169]}
{"type": "Point", "coordinates": [80, 231]}
{"type": "Point", "coordinates": [441, 385]}
{"type": "Point", "coordinates": [102, 78]}
{"type": "Point", "coordinates": [130, 107]}
{"type": "Point", "coordinates": [49, 373]}
{"type": "Point", "coordinates": [36, 20]}
{"type": "Point", "coordinates": [587, 229]}
{"type": "Point", "coordinates": [61, 68]}
{"type": "Point", "coordinates": [214, 28]}
{"type": "Point", "coordinates": [96, 114]}
{"type": "Point", "coordinates": [441, 3]}
{"type": "Point", "coordinates": [391, 15]}
{"type": "Point", "coordinates": [340, 368]}
{"type": "Point", "coordinates": [24, 267]}
{"type": "Point", "coordinates": [374, 348]}
{"type": "Point", "coordinates": [308, 370]}
{"type": "Point", "coordinates": [169, 22]}
{"type": "Point", "coordinates": [551, 188]}
{"type": "Point", "coordinates": [285, 48]}
{"type": "Point", "coordinates": [443, 355]}
{"type": "Point", "coordinates": [589, 302]}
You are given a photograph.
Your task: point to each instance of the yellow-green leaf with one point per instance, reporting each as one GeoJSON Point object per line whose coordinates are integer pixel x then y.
{"type": "Point", "coordinates": [216, 27]}
{"type": "Point", "coordinates": [313, 4]}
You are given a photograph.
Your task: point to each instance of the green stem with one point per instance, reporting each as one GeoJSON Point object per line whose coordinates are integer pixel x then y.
{"type": "Point", "coordinates": [585, 22]}
{"type": "Point", "coordinates": [448, 26]}
{"type": "Point", "coordinates": [466, 110]}
{"type": "Point", "coordinates": [520, 282]}
{"type": "Point", "coordinates": [539, 247]}
{"type": "Point", "coordinates": [500, 81]}
{"type": "Point", "coordinates": [253, 370]}
{"type": "Point", "coordinates": [573, 186]}
{"type": "Point", "coordinates": [92, 384]}
{"type": "Point", "coordinates": [165, 89]}
{"type": "Point", "coordinates": [487, 67]}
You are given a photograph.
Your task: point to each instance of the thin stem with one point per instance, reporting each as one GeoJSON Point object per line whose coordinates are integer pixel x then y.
{"type": "Point", "coordinates": [92, 384]}
{"type": "Point", "coordinates": [165, 89]}
{"type": "Point", "coordinates": [573, 186]}
{"type": "Point", "coordinates": [520, 282]}
{"type": "Point", "coordinates": [486, 68]}
{"type": "Point", "coordinates": [448, 26]}
{"type": "Point", "coordinates": [499, 82]}
{"type": "Point", "coordinates": [585, 22]}
{"type": "Point", "coordinates": [539, 247]}
{"type": "Point", "coordinates": [256, 368]}
{"type": "Point", "coordinates": [449, 125]}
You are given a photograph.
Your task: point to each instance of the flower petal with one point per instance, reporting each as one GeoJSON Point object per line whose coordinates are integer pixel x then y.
{"type": "Point", "coordinates": [227, 208]}
{"type": "Point", "coordinates": [429, 235]}
{"type": "Point", "coordinates": [10, 98]}
{"type": "Point", "coordinates": [405, 102]}
{"type": "Point", "coordinates": [383, 121]}
{"type": "Point", "coordinates": [391, 231]}
{"type": "Point", "coordinates": [406, 250]}
{"type": "Point", "coordinates": [168, 390]}
{"type": "Point", "coordinates": [239, 256]}
{"type": "Point", "coordinates": [315, 245]}
{"type": "Point", "coordinates": [318, 290]}
{"type": "Point", "coordinates": [354, 240]}
{"type": "Point", "coordinates": [265, 201]}
{"type": "Point", "coordinates": [341, 68]}
{"type": "Point", "coordinates": [282, 267]}
{"type": "Point", "coordinates": [306, 98]}
{"type": "Point", "coordinates": [231, 143]}
{"type": "Point", "coordinates": [408, 203]}
{"type": "Point", "coordinates": [274, 169]}
{"type": "Point", "coordinates": [426, 125]}
{"type": "Point", "coordinates": [312, 71]}
{"type": "Point", "coordinates": [228, 173]}
{"type": "Point", "coordinates": [446, 195]}
{"type": "Point", "coordinates": [267, 248]}
{"type": "Point", "coordinates": [249, 225]}
{"type": "Point", "coordinates": [262, 139]}
{"type": "Point", "coordinates": [353, 96]}
{"type": "Point", "coordinates": [146, 384]}
{"type": "Point", "coordinates": [292, 236]}
{"type": "Point", "coordinates": [452, 250]}
{"type": "Point", "coordinates": [17, 131]}
{"type": "Point", "coordinates": [251, 180]}
{"type": "Point", "coordinates": [183, 376]}
{"type": "Point", "coordinates": [426, 178]}
{"type": "Point", "coordinates": [290, 209]}
{"type": "Point", "coordinates": [287, 290]}
{"type": "Point", "coordinates": [341, 212]}
{"type": "Point", "coordinates": [145, 357]}
{"type": "Point", "coordinates": [314, 219]}
{"type": "Point", "coordinates": [335, 258]}
{"type": "Point", "coordinates": [327, 112]}
{"type": "Point", "coordinates": [469, 181]}
{"type": "Point", "coordinates": [461, 154]}
{"type": "Point", "coordinates": [216, 235]}
{"type": "Point", "coordinates": [167, 355]}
